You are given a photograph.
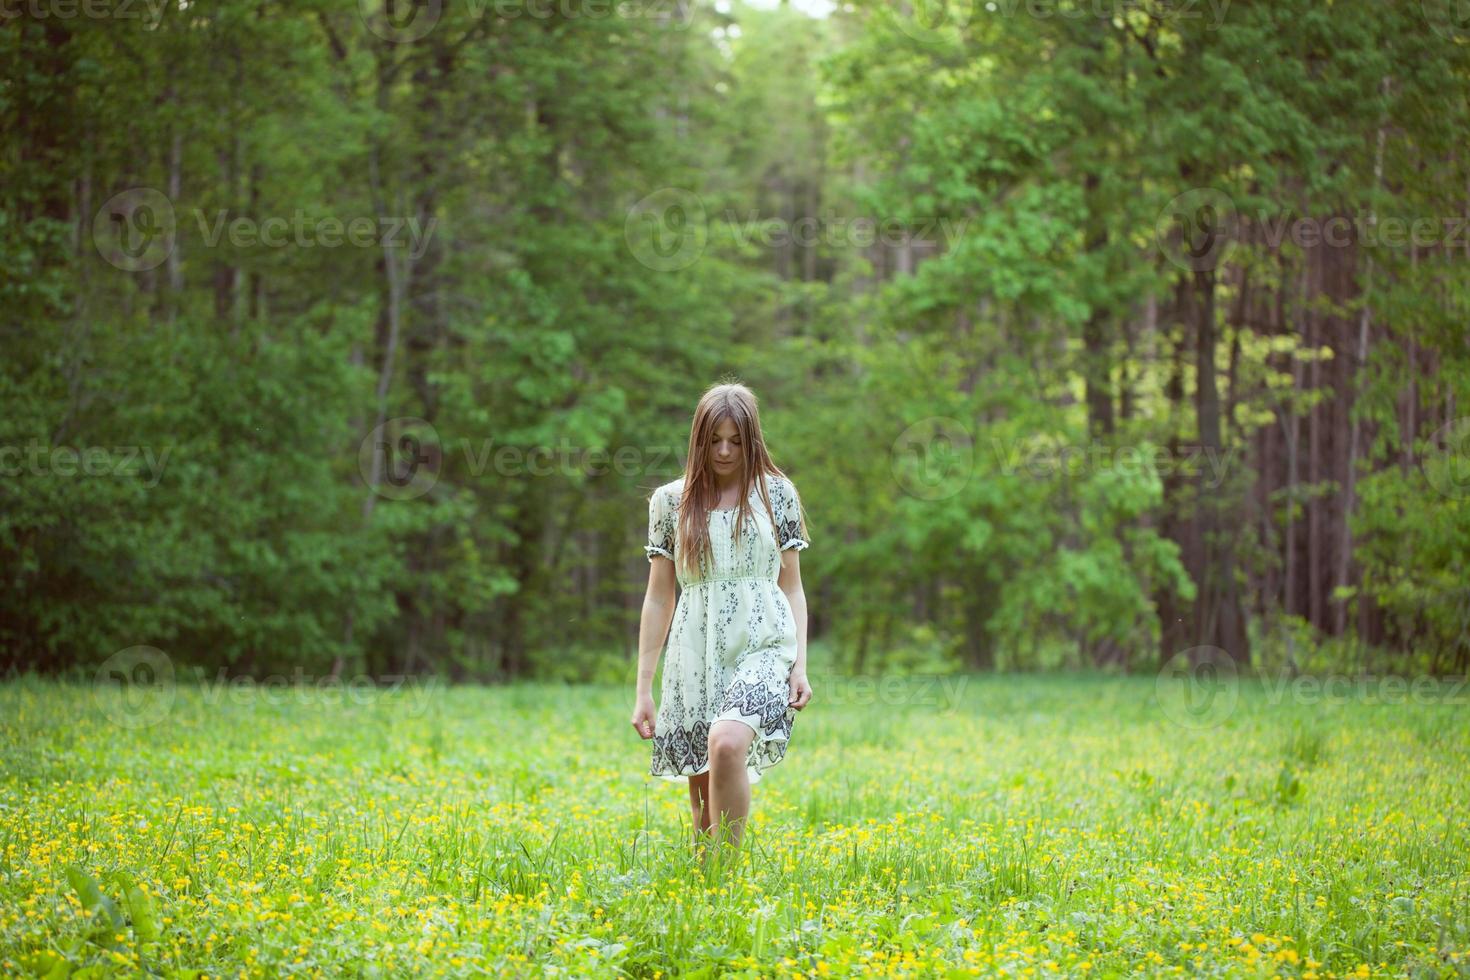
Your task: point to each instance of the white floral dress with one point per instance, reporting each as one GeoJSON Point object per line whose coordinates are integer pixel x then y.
{"type": "Point", "coordinates": [732, 642]}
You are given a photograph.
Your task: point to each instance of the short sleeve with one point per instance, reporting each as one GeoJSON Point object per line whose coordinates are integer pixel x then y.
{"type": "Point", "coordinates": [790, 530]}
{"type": "Point", "coordinates": [660, 526]}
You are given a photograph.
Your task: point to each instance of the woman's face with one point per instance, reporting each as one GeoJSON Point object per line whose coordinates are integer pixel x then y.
{"type": "Point", "coordinates": [726, 454]}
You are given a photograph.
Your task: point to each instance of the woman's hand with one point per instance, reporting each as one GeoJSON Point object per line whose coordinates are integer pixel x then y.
{"type": "Point", "coordinates": [643, 716]}
{"type": "Point", "coordinates": [801, 691]}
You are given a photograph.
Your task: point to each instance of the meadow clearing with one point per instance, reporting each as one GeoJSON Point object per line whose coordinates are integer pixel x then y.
{"type": "Point", "coordinates": [1018, 825]}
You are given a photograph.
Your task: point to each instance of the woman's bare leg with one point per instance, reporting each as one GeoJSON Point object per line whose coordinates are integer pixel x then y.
{"type": "Point", "coordinates": [699, 805]}
{"type": "Point", "coordinates": [729, 784]}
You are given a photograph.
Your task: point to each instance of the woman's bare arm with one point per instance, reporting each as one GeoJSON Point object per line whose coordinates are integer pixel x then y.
{"type": "Point", "coordinates": [789, 581]}
{"type": "Point", "coordinates": [658, 613]}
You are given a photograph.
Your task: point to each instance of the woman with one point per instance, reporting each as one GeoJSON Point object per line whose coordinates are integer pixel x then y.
{"type": "Point", "coordinates": [728, 532]}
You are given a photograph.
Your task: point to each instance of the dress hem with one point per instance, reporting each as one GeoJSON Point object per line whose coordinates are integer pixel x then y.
{"type": "Point", "coordinates": [754, 775]}
{"type": "Point", "coordinates": [753, 772]}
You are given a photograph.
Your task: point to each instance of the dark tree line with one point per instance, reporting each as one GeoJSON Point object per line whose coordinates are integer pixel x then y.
{"type": "Point", "coordinates": [1090, 340]}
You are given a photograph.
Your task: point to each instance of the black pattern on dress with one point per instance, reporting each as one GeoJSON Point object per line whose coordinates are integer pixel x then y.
{"type": "Point", "coordinates": [733, 640]}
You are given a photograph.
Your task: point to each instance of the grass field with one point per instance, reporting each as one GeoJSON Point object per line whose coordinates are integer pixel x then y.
{"type": "Point", "coordinates": [1030, 826]}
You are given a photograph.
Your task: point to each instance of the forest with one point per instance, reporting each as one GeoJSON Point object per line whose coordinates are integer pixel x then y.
{"type": "Point", "coordinates": [353, 338]}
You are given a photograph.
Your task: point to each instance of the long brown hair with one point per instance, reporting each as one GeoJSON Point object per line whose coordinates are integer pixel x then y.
{"type": "Point", "coordinates": [737, 403]}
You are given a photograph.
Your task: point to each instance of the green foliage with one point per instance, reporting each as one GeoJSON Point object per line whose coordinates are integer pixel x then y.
{"type": "Point", "coordinates": [1028, 160]}
{"type": "Point", "coordinates": [1413, 539]}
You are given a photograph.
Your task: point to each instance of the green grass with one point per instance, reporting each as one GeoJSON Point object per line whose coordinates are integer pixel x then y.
{"type": "Point", "coordinates": [1032, 826]}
